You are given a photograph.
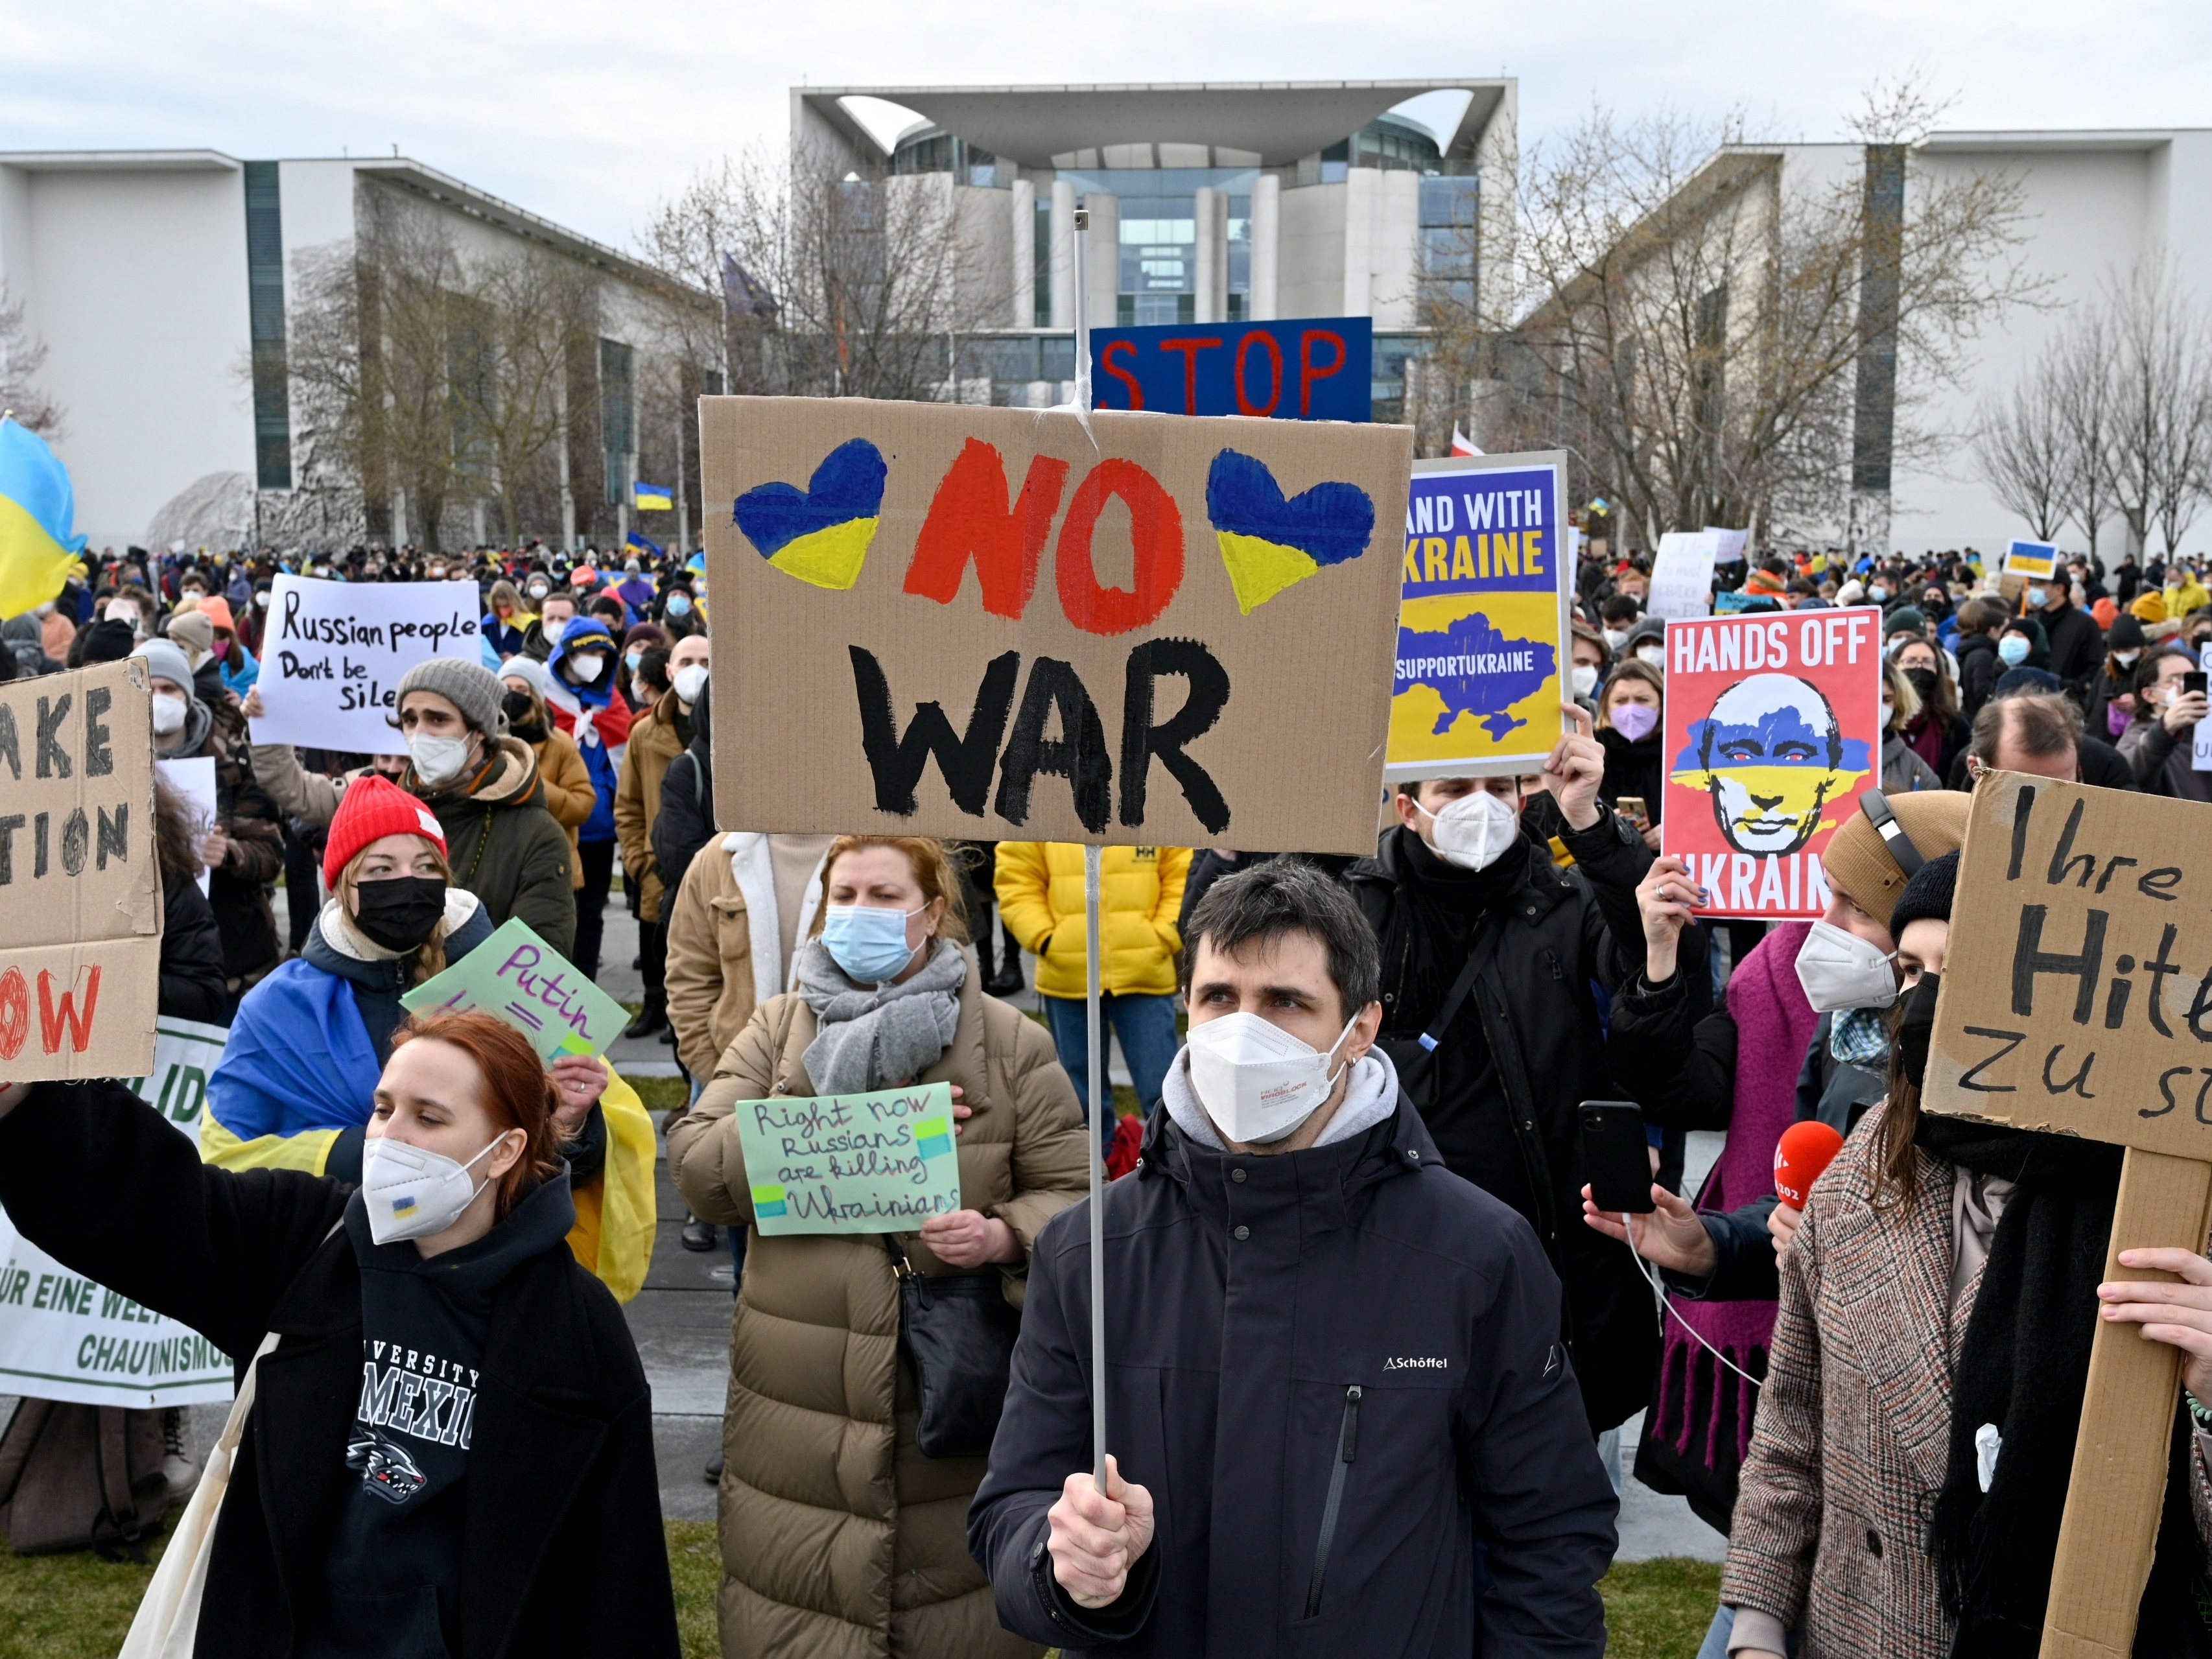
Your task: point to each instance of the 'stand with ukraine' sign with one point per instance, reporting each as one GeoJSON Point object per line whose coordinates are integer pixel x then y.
{"type": "Point", "coordinates": [1482, 622]}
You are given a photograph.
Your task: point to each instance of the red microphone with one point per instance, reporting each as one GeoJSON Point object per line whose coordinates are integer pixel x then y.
{"type": "Point", "coordinates": [1803, 1152]}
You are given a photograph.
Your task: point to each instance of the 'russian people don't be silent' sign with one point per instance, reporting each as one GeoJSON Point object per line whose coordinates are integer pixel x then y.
{"type": "Point", "coordinates": [998, 623]}
{"type": "Point", "coordinates": [333, 653]}
{"type": "Point", "coordinates": [878, 1163]}
{"type": "Point", "coordinates": [1772, 731]}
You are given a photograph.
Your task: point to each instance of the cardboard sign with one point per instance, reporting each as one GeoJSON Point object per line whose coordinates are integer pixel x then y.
{"type": "Point", "coordinates": [880, 1162]}
{"type": "Point", "coordinates": [517, 977]}
{"type": "Point", "coordinates": [1682, 574]}
{"type": "Point", "coordinates": [1317, 368]}
{"type": "Point", "coordinates": [2082, 998]}
{"type": "Point", "coordinates": [1484, 582]}
{"type": "Point", "coordinates": [1773, 732]}
{"type": "Point", "coordinates": [2030, 558]}
{"type": "Point", "coordinates": [333, 653]}
{"type": "Point", "coordinates": [1007, 624]}
{"type": "Point", "coordinates": [1729, 545]}
{"type": "Point", "coordinates": [194, 779]}
{"type": "Point", "coordinates": [80, 890]}
{"type": "Point", "coordinates": [63, 1336]}
{"type": "Point", "coordinates": [2081, 1002]}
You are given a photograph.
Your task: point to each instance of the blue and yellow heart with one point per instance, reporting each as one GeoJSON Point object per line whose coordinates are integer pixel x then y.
{"type": "Point", "coordinates": [819, 534]}
{"type": "Point", "coordinates": [1269, 543]}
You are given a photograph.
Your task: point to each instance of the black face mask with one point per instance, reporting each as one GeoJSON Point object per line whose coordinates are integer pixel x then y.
{"type": "Point", "coordinates": [400, 913]}
{"type": "Point", "coordinates": [1916, 1024]}
{"type": "Point", "coordinates": [1923, 682]}
{"type": "Point", "coordinates": [520, 711]}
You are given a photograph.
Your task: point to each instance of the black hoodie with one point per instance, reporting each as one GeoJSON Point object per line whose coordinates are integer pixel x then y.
{"type": "Point", "coordinates": [394, 1564]}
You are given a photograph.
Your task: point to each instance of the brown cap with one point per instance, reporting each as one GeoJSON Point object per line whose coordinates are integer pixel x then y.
{"type": "Point", "coordinates": [1858, 861]}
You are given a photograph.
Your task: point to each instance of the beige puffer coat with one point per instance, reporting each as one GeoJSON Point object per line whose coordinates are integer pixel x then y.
{"type": "Point", "coordinates": [840, 1539]}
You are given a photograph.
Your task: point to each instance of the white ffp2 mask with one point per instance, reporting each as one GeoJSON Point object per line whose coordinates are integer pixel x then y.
{"type": "Point", "coordinates": [411, 1192]}
{"type": "Point", "coordinates": [438, 760]}
{"type": "Point", "coordinates": [1256, 1081]}
{"type": "Point", "coordinates": [1839, 971]}
{"type": "Point", "coordinates": [1474, 831]}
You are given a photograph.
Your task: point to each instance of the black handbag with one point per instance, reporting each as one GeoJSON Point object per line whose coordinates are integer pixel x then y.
{"type": "Point", "coordinates": [957, 1333]}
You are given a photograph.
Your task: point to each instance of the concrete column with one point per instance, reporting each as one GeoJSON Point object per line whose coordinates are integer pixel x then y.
{"type": "Point", "coordinates": [1102, 257]}
{"type": "Point", "coordinates": [1062, 270]}
{"type": "Point", "coordinates": [1267, 244]}
{"type": "Point", "coordinates": [1024, 207]}
{"type": "Point", "coordinates": [1207, 264]}
{"type": "Point", "coordinates": [1359, 193]}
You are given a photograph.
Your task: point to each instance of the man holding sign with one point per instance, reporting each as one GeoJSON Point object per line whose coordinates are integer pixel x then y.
{"type": "Point", "coordinates": [1334, 1363]}
{"type": "Point", "coordinates": [887, 1116]}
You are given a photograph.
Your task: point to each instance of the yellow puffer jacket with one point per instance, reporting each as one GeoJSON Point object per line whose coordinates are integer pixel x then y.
{"type": "Point", "coordinates": [1039, 888]}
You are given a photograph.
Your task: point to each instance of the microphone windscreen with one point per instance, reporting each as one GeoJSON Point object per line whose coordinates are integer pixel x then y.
{"type": "Point", "coordinates": [1803, 1152]}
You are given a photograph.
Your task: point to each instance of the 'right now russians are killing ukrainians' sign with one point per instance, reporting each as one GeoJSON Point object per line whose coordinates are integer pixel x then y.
{"type": "Point", "coordinates": [1773, 732]}
{"type": "Point", "coordinates": [2076, 997]}
{"type": "Point", "coordinates": [878, 1163]}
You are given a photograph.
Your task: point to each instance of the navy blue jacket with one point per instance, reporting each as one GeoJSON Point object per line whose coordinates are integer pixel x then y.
{"type": "Point", "coordinates": [1350, 1329]}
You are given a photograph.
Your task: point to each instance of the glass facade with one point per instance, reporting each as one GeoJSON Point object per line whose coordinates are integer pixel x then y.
{"type": "Point", "coordinates": [618, 415]}
{"type": "Point", "coordinates": [1159, 280]}
{"type": "Point", "coordinates": [264, 296]}
{"type": "Point", "coordinates": [1449, 208]}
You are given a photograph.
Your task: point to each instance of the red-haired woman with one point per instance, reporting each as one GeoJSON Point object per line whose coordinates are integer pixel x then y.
{"type": "Point", "coordinates": [450, 1448]}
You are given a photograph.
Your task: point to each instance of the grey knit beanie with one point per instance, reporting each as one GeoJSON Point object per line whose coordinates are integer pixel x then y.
{"type": "Point", "coordinates": [469, 686]}
{"type": "Point", "coordinates": [165, 662]}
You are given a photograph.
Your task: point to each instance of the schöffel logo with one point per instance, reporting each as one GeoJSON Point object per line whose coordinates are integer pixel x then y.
{"type": "Point", "coordinates": [1416, 1362]}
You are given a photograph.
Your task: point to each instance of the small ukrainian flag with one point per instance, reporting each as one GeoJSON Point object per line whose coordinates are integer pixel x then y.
{"type": "Point", "coordinates": [652, 498]}
{"type": "Point", "coordinates": [38, 550]}
{"type": "Point", "coordinates": [643, 547]}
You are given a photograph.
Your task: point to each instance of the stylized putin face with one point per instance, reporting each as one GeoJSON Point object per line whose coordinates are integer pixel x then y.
{"type": "Point", "coordinates": [1772, 758]}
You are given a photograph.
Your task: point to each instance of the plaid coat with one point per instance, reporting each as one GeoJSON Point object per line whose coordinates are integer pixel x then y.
{"type": "Point", "coordinates": [1855, 1420]}
{"type": "Point", "coordinates": [1832, 1519]}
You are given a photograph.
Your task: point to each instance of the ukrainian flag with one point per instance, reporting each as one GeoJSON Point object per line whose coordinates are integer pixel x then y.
{"type": "Point", "coordinates": [644, 548]}
{"type": "Point", "coordinates": [652, 498]}
{"type": "Point", "coordinates": [37, 547]}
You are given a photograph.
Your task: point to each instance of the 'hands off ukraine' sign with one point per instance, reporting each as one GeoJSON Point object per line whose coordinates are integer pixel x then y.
{"type": "Point", "coordinates": [1483, 583]}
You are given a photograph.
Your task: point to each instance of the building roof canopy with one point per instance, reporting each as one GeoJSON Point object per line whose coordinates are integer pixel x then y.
{"type": "Point", "coordinates": [1278, 121]}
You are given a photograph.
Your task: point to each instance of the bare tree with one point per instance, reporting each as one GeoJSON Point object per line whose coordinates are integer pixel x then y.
{"type": "Point", "coordinates": [22, 353]}
{"type": "Point", "coordinates": [835, 281]}
{"type": "Point", "coordinates": [1701, 331]}
{"type": "Point", "coordinates": [2160, 439]}
{"type": "Point", "coordinates": [2024, 451]}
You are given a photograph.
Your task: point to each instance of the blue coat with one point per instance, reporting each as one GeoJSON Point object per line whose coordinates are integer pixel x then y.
{"type": "Point", "coordinates": [1375, 1336]}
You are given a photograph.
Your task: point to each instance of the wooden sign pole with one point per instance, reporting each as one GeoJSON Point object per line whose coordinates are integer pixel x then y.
{"type": "Point", "coordinates": [2119, 1485]}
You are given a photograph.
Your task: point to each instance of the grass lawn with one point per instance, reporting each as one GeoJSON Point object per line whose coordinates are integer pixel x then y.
{"type": "Point", "coordinates": [78, 1607]}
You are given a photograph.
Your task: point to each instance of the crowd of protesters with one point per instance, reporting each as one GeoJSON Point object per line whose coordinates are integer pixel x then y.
{"type": "Point", "coordinates": [1372, 1342]}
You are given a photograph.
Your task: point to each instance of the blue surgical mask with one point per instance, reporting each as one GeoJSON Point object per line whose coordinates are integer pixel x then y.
{"type": "Point", "coordinates": [2038, 598]}
{"type": "Point", "coordinates": [2013, 647]}
{"type": "Point", "coordinates": [1877, 592]}
{"type": "Point", "coordinates": [679, 604]}
{"type": "Point", "coordinates": [868, 942]}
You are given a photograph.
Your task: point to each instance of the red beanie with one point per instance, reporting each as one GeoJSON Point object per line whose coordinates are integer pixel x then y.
{"type": "Point", "coordinates": [373, 807]}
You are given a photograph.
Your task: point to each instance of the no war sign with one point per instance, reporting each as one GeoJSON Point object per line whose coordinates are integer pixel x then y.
{"type": "Point", "coordinates": [1013, 624]}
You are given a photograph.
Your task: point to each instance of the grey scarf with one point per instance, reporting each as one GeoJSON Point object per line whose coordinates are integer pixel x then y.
{"type": "Point", "coordinates": [876, 1037]}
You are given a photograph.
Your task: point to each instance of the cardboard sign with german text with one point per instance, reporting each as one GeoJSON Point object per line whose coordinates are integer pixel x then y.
{"type": "Point", "coordinates": [1007, 624]}
{"type": "Point", "coordinates": [1484, 585]}
{"type": "Point", "coordinates": [1772, 731]}
{"type": "Point", "coordinates": [880, 1162]}
{"type": "Point", "coordinates": [79, 891]}
{"type": "Point", "coordinates": [2080, 998]}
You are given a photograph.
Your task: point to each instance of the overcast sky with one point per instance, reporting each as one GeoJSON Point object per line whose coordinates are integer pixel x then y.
{"type": "Point", "coordinates": [588, 113]}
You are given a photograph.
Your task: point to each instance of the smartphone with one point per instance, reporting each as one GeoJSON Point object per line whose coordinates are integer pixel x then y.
{"type": "Point", "coordinates": [1616, 1156]}
{"type": "Point", "coordinates": [1632, 807]}
{"type": "Point", "coordinates": [2193, 683]}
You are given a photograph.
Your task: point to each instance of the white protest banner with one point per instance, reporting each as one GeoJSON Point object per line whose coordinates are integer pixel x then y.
{"type": "Point", "coordinates": [1682, 574]}
{"type": "Point", "coordinates": [63, 1336]}
{"type": "Point", "coordinates": [334, 653]}
{"type": "Point", "coordinates": [1729, 545]}
{"type": "Point", "coordinates": [193, 778]}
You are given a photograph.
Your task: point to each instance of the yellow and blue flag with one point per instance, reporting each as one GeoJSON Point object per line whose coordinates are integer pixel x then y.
{"type": "Point", "coordinates": [642, 546]}
{"type": "Point", "coordinates": [652, 498]}
{"type": "Point", "coordinates": [38, 550]}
